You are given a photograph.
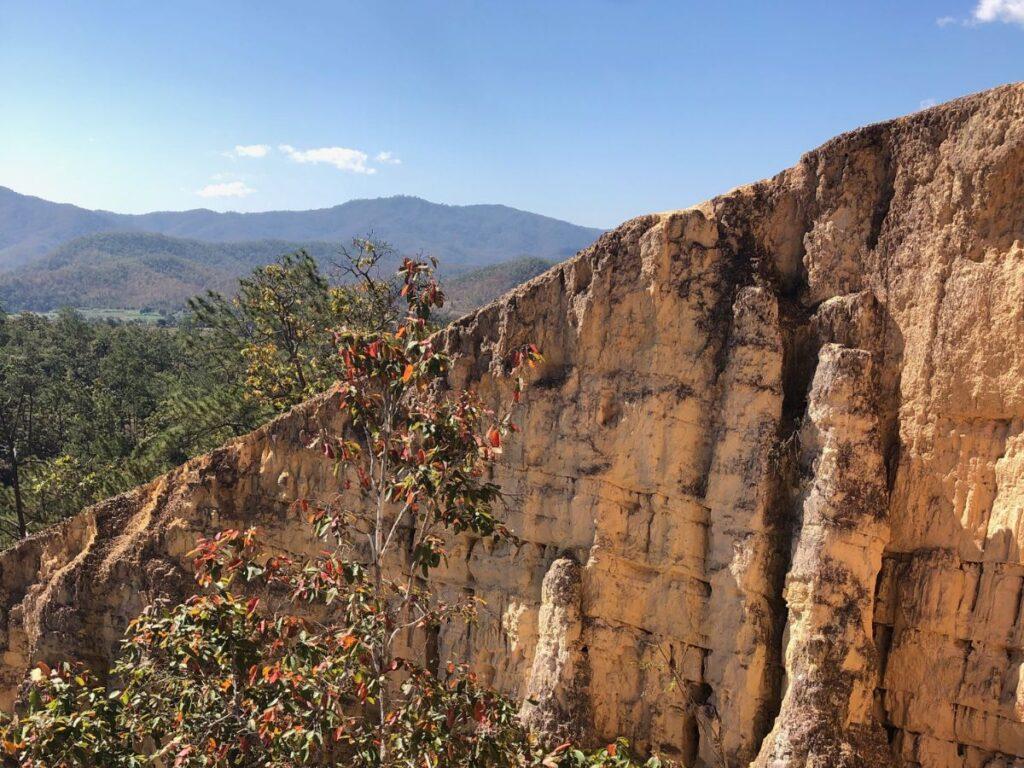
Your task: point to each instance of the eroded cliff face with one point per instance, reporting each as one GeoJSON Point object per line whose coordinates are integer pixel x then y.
{"type": "Point", "coordinates": [770, 483]}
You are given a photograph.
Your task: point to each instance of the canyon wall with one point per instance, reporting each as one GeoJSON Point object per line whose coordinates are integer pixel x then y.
{"type": "Point", "coordinates": [770, 483]}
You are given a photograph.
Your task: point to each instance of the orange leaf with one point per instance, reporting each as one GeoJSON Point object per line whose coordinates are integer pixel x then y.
{"type": "Point", "coordinates": [494, 437]}
{"type": "Point", "coordinates": [408, 372]}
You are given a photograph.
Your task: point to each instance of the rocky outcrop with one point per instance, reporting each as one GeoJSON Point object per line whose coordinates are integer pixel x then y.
{"type": "Point", "coordinates": [827, 716]}
{"type": "Point", "coordinates": [769, 488]}
{"type": "Point", "coordinates": [556, 686]}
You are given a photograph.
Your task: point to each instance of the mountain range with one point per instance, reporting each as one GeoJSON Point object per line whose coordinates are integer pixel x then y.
{"type": "Point", "coordinates": [55, 254]}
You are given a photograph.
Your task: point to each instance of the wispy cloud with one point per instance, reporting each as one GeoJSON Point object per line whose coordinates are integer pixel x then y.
{"type": "Point", "coordinates": [927, 103]}
{"type": "Point", "coordinates": [342, 158]}
{"type": "Point", "coordinates": [1006, 11]}
{"type": "Point", "coordinates": [945, 21]}
{"type": "Point", "coordinates": [226, 189]}
{"type": "Point", "coordinates": [249, 150]}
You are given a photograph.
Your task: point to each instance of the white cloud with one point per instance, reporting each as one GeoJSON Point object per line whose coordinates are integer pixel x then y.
{"type": "Point", "coordinates": [927, 103]}
{"type": "Point", "coordinates": [388, 158]}
{"type": "Point", "coordinates": [342, 158]}
{"type": "Point", "coordinates": [249, 150]}
{"type": "Point", "coordinates": [1007, 11]}
{"type": "Point", "coordinates": [226, 189]}
{"type": "Point", "coordinates": [945, 21]}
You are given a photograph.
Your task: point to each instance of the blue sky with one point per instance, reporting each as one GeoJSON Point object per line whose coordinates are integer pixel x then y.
{"type": "Point", "coordinates": [589, 111]}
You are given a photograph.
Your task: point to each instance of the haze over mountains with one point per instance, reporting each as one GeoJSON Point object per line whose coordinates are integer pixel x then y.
{"type": "Point", "coordinates": [54, 254]}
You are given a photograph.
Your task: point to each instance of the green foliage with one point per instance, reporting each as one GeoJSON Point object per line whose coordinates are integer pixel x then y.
{"type": "Point", "coordinates": [227, 679]}
{"type": "Point", "coordinates": [71, 721]}
{"type": "Point", "coordinates": [70, 393]}
{"type": "Point", "coordinates": [280, 323]}
{"type": "Point", "coordinates": [92, 409]}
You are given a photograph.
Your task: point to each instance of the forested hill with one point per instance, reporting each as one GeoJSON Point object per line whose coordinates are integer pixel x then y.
{"type": "Point", "coordinates": [133, 270]}
{"type": "Point", "coordinates": [468, 291]}
{"type": "Point", "coordinates": [463, 236]}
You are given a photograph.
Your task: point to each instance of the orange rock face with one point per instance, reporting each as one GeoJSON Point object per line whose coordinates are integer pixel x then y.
{"type": "Point", "coordinates": [770, 484]}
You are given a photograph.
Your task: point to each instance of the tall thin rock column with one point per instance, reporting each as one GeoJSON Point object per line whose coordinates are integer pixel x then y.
{"type": "Point", "coordinates": [554, 697]}
{"type": "Point", "coordinates": [826, 719]}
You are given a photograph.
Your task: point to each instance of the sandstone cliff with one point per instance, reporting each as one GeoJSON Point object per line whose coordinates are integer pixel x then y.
{"type": "Point", "coordinates": [770, 485]}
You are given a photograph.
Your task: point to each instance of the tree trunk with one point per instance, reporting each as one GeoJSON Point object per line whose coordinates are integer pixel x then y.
{"type": "Point", "coordinates": [19, 504]}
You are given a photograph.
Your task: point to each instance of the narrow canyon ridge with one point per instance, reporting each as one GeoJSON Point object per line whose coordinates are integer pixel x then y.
{"type": "Point", "coordinates": [769, 485]}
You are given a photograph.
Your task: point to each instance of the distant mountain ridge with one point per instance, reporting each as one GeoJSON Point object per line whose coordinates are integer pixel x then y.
{"type": "Point", "coordinates": [31, 226]}
{"type": "Point", "coordinates": [462, 236]}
